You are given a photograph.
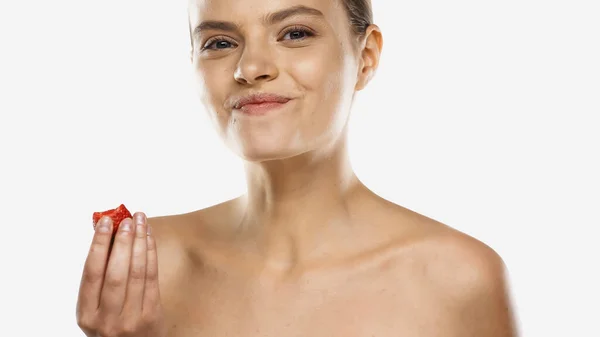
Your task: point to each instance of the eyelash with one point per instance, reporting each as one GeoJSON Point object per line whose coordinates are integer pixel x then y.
{"type": "Point", "coordinates": [213, 41]}
{"type": "Point", "coordinates": [306, 31]}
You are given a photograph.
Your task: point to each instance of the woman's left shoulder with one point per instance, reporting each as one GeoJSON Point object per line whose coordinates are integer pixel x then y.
{"type": "Point", "coordinates": [461, 266]}
{"type": "Point", "coordinates": [470, 278]}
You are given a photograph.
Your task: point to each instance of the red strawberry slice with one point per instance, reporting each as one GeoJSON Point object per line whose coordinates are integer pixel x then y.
{"type": "Point", "coordinates": [117, 215]}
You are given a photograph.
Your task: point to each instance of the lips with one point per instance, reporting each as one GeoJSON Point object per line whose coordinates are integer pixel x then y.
{"type": "Point", "coordinates": [260, 99]}
{"type": "Point", "coordinates": [259, 104]}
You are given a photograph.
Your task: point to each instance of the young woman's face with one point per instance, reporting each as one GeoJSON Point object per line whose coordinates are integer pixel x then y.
{"type": "Point", "coordinates": [307, 55]}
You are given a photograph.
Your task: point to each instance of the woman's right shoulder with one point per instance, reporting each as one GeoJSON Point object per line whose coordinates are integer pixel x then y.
{"type": "Point", "coordinates": [181, 238]}
{"type": "Point", "coordinates": [178, 226]}
{"type": "Point", "coordinates": [187, 230]}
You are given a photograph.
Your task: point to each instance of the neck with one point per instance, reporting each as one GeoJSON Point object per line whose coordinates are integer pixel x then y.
{"type": "Point", "coordinates": [292, 205]}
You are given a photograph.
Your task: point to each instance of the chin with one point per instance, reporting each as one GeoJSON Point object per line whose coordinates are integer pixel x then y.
{"type": "Point", "coordinates": [264, 144]}
{"type": "Point", "coordinates": [261, 154]}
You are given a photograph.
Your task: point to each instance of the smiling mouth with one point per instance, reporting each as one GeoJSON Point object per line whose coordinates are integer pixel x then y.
{"type": "Point", "coordinates": [261, 108]}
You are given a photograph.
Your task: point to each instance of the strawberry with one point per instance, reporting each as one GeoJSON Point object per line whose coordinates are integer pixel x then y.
{"type": "Point", "coordinates": [117, 215]}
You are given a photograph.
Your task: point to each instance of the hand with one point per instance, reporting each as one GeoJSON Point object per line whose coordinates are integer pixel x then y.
{"type": "Point", "coordinates": [119, 295]}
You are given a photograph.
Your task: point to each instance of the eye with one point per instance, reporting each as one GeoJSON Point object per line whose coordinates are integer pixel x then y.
{"type": "Point", "coordinates": [298, 33]}
{"type": "Point", "coordinates": [218, 44]}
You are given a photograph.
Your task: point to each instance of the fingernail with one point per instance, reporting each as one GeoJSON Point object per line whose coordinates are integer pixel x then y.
{"type": "Point", "coordinates": [126, 225]}
{"type": "Point", "coordinates": [139, 224]}
{"type": "Point", "coordinates": [104, 224]}
{"type": "Point", "coordinates": [149, 230]}
{"type": "Point", "coordinates": [139, 218]}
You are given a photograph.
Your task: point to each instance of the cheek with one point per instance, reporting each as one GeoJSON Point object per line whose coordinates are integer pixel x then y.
{"type": "Point", "coordinates": [318, 71]}
{"type": "Point", "coordinates": [325, 77]}
{"type": "Point", "coordinates": [212, 86]}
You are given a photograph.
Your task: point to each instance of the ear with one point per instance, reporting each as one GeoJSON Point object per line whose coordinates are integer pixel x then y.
{"type": "Point", "coordinates": [370, 53]}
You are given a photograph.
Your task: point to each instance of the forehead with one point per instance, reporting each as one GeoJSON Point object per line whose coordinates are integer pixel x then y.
{"type": "Point", "coordinates": [242, 11]}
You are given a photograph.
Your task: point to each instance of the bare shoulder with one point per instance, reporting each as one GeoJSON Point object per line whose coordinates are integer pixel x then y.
{"type": "Point", "coordinates": [460, 264]}
{"type": "Point", "coordinates": [180, 227]}
{"type": "Point", "coordinates": [458, 278]}
{"type": "Point", "coordinates": [467, 278]}
{"type": "Point", "coordinates": [178, 232]}
{"type": "Point", "coordinates": [450, 259]}
{"type": "Point", "coordinates": [177, 236]}
{"type": "Point", "coordinates": [170, 249]}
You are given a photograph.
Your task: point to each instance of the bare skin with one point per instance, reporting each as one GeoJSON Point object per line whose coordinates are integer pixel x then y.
{"type": "Point", "coordinates": [386, 272]}
{"type": "Point", "coordinates": [308, 250]}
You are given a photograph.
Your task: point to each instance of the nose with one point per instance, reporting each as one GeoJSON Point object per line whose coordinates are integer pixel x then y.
{"type": "Point", "coordinates": [255, 65]}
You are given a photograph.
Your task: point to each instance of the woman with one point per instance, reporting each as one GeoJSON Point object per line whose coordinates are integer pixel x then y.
{"type": "Point", "coordinates": [308, 250]}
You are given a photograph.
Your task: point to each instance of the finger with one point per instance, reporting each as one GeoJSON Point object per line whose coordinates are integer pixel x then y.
{"type": "Point", "coordinates": [95, 267]}
{"type": "Point", "coordinates": [137, 272]}
{"type": "Point", "coordinates": [117, 270]}
{"type": "Point", "coordinates": [151, 291]}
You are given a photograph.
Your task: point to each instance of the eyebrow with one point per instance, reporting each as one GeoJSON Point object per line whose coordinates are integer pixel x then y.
{"type": "Point", "coordinates": [281, 15]}
{"type": "Point", "coordinates": [268, 19]}
{"type": "Point", "coordinates": [215, 25]}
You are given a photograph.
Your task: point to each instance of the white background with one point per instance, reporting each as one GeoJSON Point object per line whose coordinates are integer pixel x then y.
{"type": "Point", "coordinates": [483, 115]}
